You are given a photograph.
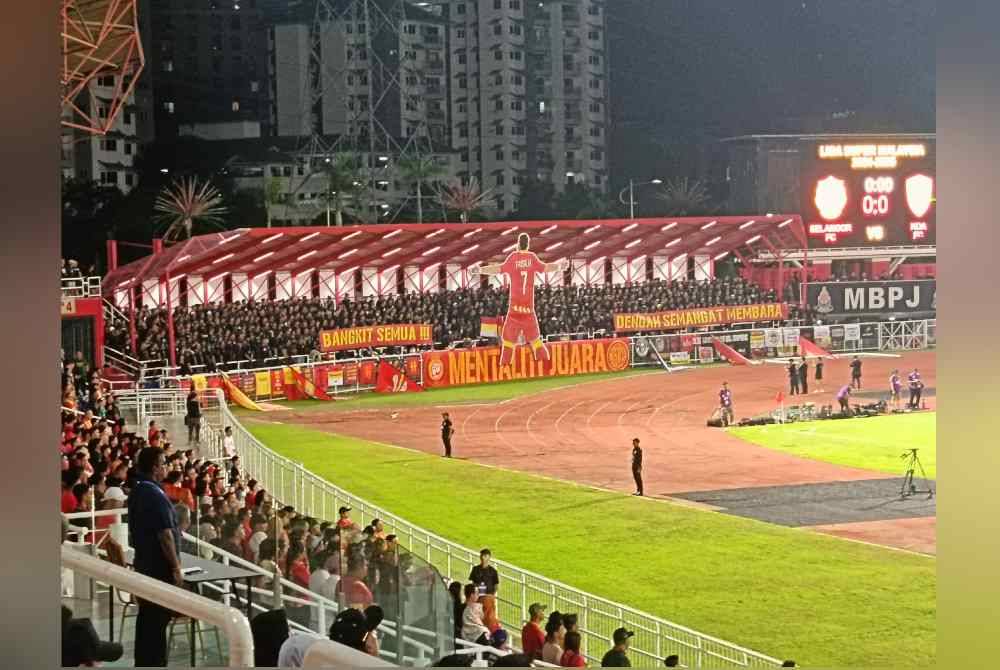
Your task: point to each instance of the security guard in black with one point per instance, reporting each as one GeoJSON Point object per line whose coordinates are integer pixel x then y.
{"type": "Point", "coordinates": [637, 466]}
{"type": "Point", "coordinates": [446, 433]}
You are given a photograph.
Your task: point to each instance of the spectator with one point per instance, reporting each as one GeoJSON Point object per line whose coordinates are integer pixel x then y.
{"type": "Point", "coordinates": [485, 576]}
{"type": "Point", "coordinates": [672, 661]}
{"type": "Point", "coordinates": [570, 622]}
{"type": "Point", "coordinates": [532, 635]}
{"type": "Point", "coordinates": [571, 658]}
{"type": "Point", "coordinates": [176, 492]}
{"type": "Point", "coordinates": [555, 632]}
{"type": "Point", "coordinates": [183, 513]}
{"type": "Point", "coordinates": [228, 443]}
{"type": "Point", "coordinates": [156, 541]}
{"type": "Point", "coordinates": [458, 605]}
{"type": "Point", "coordinates": [193, 418]}
{"type": "Point", "coordinates": [293, 650]}
{"type": "Point", "coordinates": [473, 627]}
{"type": "Point", "coordinates": [81, 645]}
{"type": "Point", "coordinates": [345, 519]}
{"type": "Point", "coordinates": [513, 661]}
{"type": "Point", "coordinates": [355, 592]}
{"type": "Point", "coordinates": [616, 656]}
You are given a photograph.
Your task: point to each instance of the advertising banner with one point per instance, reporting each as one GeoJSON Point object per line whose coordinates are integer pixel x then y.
{"type": "Point", "coordinates": [872, 298]}
{"type": "Point", "coordinates": [393, 380]}
{"type": "Point", "coordinates": [262, 384]}
{"type": "Point", "coordinates": [680, 357]}
{"type": "Point", "coordinates": [790, 337]}
{"type": "Point", "coordinates": [706, 354]}
{"type": "Point", "coordinates": [852, 332]}
{"type": "Point", "coordinates": [772, 337]}
{"type": "Point", "coordinates": [335, 376]}
{"type": "Point", "coordinates": [694, 318]}
{"type": "Point", "coordinates": [457, 367]}
{"type": "Point", "coordinates": [373, 337]}
{"type": "Point", "coordinates": [821, 336]}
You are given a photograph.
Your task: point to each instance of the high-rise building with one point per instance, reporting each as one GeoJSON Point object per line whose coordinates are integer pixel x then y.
{"type": "Point", "coordinates": [208, 61]}
{"type": "Point", "coordinates": [519, 88]}
{"type": "Point", "coordinates": [529, 92]}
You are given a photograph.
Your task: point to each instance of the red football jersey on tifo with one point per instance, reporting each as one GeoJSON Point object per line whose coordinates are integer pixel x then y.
{"type": "Point", "coordinates": [521, 268]}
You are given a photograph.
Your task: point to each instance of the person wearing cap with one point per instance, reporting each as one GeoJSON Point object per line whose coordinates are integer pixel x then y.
{"type": "Point", "coordinates": [616, 656]}
{"type": "Point", "coordinates": [532, 635]}
{"type": "Point", "coordinates": [637, 466]}
{"type": "Point", "coordinates": [486, 577]}
{"type": "Point", "coordinates": [345, 518]}
{"type": "Point", "coordinates": [81, 645]}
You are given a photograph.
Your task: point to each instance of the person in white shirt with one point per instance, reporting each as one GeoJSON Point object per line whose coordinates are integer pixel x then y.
{"type": "Point", "coordinates": [228, 443]}
{"type": "Point", "coordinates": [473, 628]}
{"type": "Point", "coordinates": [323, 582]}
{"type": "Point", "coordinates": [293, 650]}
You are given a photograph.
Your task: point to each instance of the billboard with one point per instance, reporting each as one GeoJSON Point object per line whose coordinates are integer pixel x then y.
{"type": "Point", "coordinates": [869, 192]}
{"type": "Point", "coordinates": [458, 367]}
{"type": "Point", "coordinates": [872, 298]}
{"type": "Point", "coordinates": [702, 316]}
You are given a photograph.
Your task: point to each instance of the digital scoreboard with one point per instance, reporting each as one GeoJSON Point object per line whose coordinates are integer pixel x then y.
{"type": "Point", "coordinates": [865, 193]}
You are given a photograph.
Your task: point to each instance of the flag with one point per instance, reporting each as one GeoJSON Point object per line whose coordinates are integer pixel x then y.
{"type": "Point", "coordinates": [490, 326]}
{"type": "Point", "coordinates": [730, 354]}
{"type": "Point", "coordinates": [306, 385]}
{"type": "Point", "coordinates": [391, 379]}
{"type": "Point", "coordinates": [810, 348]}
{"type": "Point", "coordinates": [238, 396]}
{"type": "Point", "coordinates": [780, 398]}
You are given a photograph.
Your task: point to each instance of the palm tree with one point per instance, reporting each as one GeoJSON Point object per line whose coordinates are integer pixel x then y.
{"type": "Point", "coordinates": [420, 170]}
{"type": "Point", "coordinates": [186, 202]}
{"type": "Point", "coordinates": [682, 197]}
{"type": "Point", "coordinates": [466, 198]}
{"type": "Point", "coordinates": [342, 181]}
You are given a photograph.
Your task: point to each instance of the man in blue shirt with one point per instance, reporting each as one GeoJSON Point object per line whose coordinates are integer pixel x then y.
{"type": "Point", "coordinates": [156, 540]}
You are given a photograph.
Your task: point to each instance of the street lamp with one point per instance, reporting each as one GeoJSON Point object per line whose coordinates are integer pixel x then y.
{"type": "Point", "coordinates": [631, 194]}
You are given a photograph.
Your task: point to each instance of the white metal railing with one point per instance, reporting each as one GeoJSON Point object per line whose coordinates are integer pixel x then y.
{"type": "Point", "coordinates": [231, 622]}
{"type": "Point", "coordinates": [292, 484]}
{"type": "Point", "coordinates": [124, 362]}
{"type": "Point", "coordinates": [80, 287]}
{"type": "Point", "coordinates": [329, 654]}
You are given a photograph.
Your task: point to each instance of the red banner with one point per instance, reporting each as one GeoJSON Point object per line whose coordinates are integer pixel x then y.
{"type": "Point", "coordinates": [457, 367]}
{"type": "Point", "coordinates": [309, 388]}
{"type": "Point", "coordinates": [373, 337]}
{"type": "Point", "coordinates": [393, 380]}
{"type": "Point", "coordinates": [703, 316]}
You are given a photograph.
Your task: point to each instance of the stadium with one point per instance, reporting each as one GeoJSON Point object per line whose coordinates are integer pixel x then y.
{"type": "Point", "coordinates": [703, 441]}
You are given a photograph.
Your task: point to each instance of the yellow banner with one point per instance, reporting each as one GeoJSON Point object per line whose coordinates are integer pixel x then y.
{"type": "Point", "coordinates": [263, 380]}
{"type": "Point", "coordinates": [199, 382]}
{"type": "Point", "coordinates": [238, 396]}
{"type": "Point", "coordinates": [705, 316]}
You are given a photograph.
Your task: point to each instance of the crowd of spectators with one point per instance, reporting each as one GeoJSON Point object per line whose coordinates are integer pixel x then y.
{"type": "Point", "coordinates": [212, 335]}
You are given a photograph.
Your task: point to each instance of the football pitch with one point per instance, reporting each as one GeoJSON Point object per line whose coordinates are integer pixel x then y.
{"type": "Point", "coordinates": [785, 592]}
{"type": "Point", "coordinates": [875, 443]}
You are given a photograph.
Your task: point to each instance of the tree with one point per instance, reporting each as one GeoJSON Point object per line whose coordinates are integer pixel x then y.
{"type": "Point", "coordinates": [342, 183]}
{"type": "Point", "coordinates": [579, 201]}
{"type": "Point", "coordinates": [273, 195]}
{"type": "Point", "coordinates": [535, 201]}
{"type": "Point", "coordinates": [420, 170]}
{"type": "Point", "coordinates": [682, 197]}
{"type": "Point", "coordinates": [463, 198]}
{"type": "Point", "coordinates": [185, 202]}
{"type": "Point", "coordinates": [88, 210]}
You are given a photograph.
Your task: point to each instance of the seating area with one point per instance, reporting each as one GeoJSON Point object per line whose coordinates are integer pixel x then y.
{"type": "Point", "coordinates": [213, 335]}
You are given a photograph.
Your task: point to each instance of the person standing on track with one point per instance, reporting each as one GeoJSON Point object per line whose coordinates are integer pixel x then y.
{"type": "Point", "coordinates": [895, 389]}
{"type": "Point", "coordinates": [856, 373]}
{"type": "Point", "coordinates": [793, 378]}
{"type": "Point", "coordinates": [447, 430]}
{"type": "Point", "coordinates": [804, 376]}
{"type": "Point", "coordinates": [521, 268]}
{"type": "Point", "coordinates": [916, 389]}
{"type": "Point", "coordinates": [726, 404]}
{"type": "Point", "coordinates": [637, 466]}
{"type": "Point", "coordinates": [819, 375]}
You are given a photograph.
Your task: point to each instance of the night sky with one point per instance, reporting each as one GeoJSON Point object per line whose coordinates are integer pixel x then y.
{"type": "Point", "coordinates": [689, 70]}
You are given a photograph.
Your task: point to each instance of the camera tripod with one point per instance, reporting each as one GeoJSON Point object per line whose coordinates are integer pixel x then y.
{"type": "Point", "coordinates": [909, 487]}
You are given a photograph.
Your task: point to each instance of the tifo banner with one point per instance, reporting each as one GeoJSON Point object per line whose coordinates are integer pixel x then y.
{"type": "Point", "coordinates": [876, 298]}
{"type": "Point", "coordinates": [373, 337]}
{"type": "Point", "coordinates": [456, 367]}
{"type": "Point", "coordinates": [393, 380]}
{"type": "Point", "coordinates": [706, 316]}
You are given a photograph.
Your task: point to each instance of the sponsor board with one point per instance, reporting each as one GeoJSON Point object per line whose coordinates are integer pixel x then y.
{"type": "Point", "coordinates": [680, 357]}
{"type": "Point", "coordinates": [692, 318]}
{"type": "Point", "coordinates": [874, 298]}
{"type": "Point", "coordinates": [458, 367]}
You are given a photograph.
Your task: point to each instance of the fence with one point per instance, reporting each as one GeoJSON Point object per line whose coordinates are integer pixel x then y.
{"type": "Point", "coordinates": [232, 623]}
{"type": "Point", "coordinates": [291, 483]}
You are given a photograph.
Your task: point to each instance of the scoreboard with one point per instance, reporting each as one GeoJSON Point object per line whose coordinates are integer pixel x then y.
{"type": "Point", "coordinates": [869, 193]}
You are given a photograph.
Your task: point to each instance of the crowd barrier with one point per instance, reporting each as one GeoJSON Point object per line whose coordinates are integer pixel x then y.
{"type": "Point", "coordinates": [291, 483]}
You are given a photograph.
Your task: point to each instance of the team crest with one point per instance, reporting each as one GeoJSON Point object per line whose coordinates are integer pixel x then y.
{"type": "Point", "coordinates": [824, 303]}
{"type": "Point", "coordinates": [831, 198]}
{"type": "Point", "coordinates": [919, 194]}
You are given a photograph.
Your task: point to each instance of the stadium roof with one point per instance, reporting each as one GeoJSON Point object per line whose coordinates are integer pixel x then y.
{"type": "Point", "coordinates": [258, 251]}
